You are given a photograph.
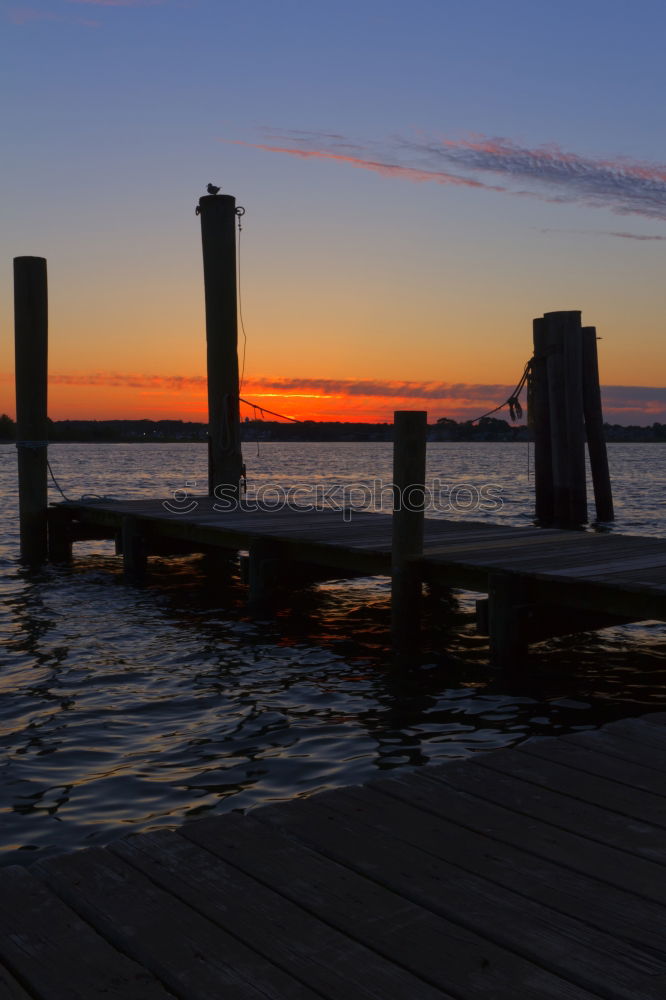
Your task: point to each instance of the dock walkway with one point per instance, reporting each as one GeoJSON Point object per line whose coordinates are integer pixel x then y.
{"type": "Point", "coordinates": [541, 582]}
{"type": "Point", "coordinates": [536, 872]}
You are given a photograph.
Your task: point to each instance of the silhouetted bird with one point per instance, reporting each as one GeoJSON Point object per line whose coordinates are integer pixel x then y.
{"type": "Point", "coordinates": [212, 189]}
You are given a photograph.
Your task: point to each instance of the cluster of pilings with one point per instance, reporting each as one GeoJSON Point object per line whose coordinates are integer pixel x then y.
{"type": "Point", "coordinates": [564, 407]}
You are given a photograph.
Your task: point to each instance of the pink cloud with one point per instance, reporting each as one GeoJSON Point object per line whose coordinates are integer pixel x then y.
{"type": "Point", "coordinates": [547, 172]}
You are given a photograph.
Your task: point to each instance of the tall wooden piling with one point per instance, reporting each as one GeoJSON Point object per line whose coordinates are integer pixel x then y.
{"type": "Point", "coordinates": [218, 236]}
{"type": "Point", "coordinates": [409, 468]}
{"type": "Point", "coordinates": [572, 345]}
{"type": "Point", "coordinates": [564, 368]}
{"type": "Point", "coordinates": [539, 418]}
{"type": "Point", "coordinates": [31, 350]}
{"type": "Point", "coordinates": [594, 427]}
{"type": "Point", "coordinates": [565, 409]}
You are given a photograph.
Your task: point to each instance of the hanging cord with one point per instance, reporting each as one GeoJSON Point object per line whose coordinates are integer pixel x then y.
{"type": "Point", "coordinates": [240, 212]}
{"type": "Point", "coordinates": [513, 402]}
{"type": "Point", "coordinates": [84, 496]}
{"type": "Point", "coordinates": [262, 410]}
{"type": "Point", "coordinates": [57, 484]}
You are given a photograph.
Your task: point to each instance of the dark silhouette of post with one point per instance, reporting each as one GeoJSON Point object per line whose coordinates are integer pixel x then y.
{"type": "Point", "coordinates": [564, 365]}
{"type": "Point", "coordinates": [218, 235]}
{"type": "Point", "coordinates": [539, 418]}
{"type": "Point", "coordinates": [31, 347]}
{"type": "Point", "coordinates": [409, 469]}
{"type": "Point", "coordinates": [594, 427]}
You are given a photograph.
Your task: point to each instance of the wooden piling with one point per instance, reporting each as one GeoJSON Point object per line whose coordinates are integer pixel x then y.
{"type": "Point", "coordinates": [594, 427]}
{"type": "Point", "coordinates": [135, 562]}
{"type": "Point", "coordinates": [31, 350]}
{"type": "Point", "coordinates": [565, 397]}
{"type": "Point", "coordinates": [61, 535]}
{"type": "Point", "coordinates": [218, 236]}
{"type": "Point", "coordinates": [262, 575]}
{"type": "Point", "coordinates": [539, 418]}
{"type": "Point", "coordinates": [572, 343]}
{"type": "Point", "coordinates": [507, 605]}
{"type": "Point", "coordinates": [409, 468]}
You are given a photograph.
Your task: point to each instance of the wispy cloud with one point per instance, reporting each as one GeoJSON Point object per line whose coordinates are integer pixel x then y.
{"type": "Point", "coordinates": [606, 232]}
{"type": "Point", "coordinates": [626, 187]}
{"type": "Point", "coordinates": [349, 399]}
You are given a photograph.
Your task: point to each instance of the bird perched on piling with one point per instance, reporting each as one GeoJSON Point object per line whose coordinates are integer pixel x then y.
{"type": "Point", "coordinates": [212, 189]}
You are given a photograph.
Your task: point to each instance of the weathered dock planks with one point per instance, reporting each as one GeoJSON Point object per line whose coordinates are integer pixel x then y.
{"type": "Point", "coordinates": [541, 582]}
{"type": "Point", "coordinates": [533, 872]}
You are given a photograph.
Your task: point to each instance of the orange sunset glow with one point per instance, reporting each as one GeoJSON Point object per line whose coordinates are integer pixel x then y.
{"type": "Point", "coordinates": [112, 396]}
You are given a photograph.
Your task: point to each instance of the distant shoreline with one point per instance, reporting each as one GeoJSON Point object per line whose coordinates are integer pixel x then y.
{"type": "Point", "coordinates": [184, 432]}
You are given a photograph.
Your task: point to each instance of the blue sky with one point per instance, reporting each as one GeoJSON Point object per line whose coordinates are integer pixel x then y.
{"type": "Point", "coordinates": [116, 115]}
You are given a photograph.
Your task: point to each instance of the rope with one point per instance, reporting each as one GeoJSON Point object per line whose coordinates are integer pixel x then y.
{"type": "Point", "coordinates": [57, 484]}
{"type": "Point", "coordinates": [262, 410]}
{"type": "Point", "coordinates": [513, 402]}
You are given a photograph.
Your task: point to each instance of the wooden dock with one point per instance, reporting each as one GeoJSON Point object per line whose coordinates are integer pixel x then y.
{"type": "Point", "coordinates": [536, 872]}
{"type": "Point", "coordinates": [541, 582]}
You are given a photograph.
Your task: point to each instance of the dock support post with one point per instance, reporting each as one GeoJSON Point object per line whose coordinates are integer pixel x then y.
{"type": "Point", "coordinates": [409, 470]}
{"type": "Point", "coordinates": [565, 393]}
{"type": "Point", "coordinates": [135, 562]}
{"type": "Point", "coordinates": [31, 349]}
{"type": "Point", "coordinates": [594, 427]}
{"type": "Point", "coordinates": [61, 535]}
{"type": "Point", "coordinates": [539, 418]}
{"type": "Point", "coordinates": [262, 575]}
{"type": "Point", "coordinates": [507, 599]}
{"type": "Point", "coordinates": [218, 237]}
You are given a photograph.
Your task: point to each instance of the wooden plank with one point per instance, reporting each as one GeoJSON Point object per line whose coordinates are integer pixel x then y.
{"type": "Point", "coordinates": [640, 732]}
{"type": "Point", "coordinates": [445, 790]}
{"type": "Point", "coordinates": [655, 719]}
{"type": "Point", "coordinates": [506, 786]}
{"type": "Point", "coordinates": [617, 746]}
{"type": "Point", "coordinates": [621, 575]}
{"type": "Point", "coordinates": [444, 953]}
{"type": "Point", "coordinates": [10, 989]}
{"type": "Point", "coordinates": [188, 953]}
{"type": "Point", "coordinates": [56, 955]}
{"type": "Point", "coordinates": [572, 893]}
{"type": "Point", "coordinates": [561, 944]}
{"type": "Point", "coordinates": [587, 759]}
{"type": "Point", "coordinates": [326, 960]}
{"type": "Point", "coordinates": [589, 789]}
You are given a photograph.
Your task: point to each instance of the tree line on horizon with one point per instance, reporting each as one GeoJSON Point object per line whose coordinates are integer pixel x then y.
{"type": "Point", "coordinates": [444, 429]}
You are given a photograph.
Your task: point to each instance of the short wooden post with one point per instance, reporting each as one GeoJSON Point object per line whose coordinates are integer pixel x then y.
{"type": "Point", "coordinates": [507, 597]}
{"type": "Point", "coordinates": [409, 470]}
{"type": "Point", "coordinates": [539, 419]}
{"type": "Point", "coordinates": [31, 349]}
{"type": "Point", "coordinates": [61, 535]}
{"type": "Point", "coordinates": [594, 427]}
{"type": "Point", "coordinates": [133, 543]}
{"type": "Point", "coordinates": [565, 395]}
{"type": "Point", "coordinates": [262, 575]}
{"type": "Point", "coordinates": [218, 236]}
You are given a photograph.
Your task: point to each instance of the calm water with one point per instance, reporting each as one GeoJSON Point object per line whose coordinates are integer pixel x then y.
{"type": "Point", "coordinates": [125, 709]}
